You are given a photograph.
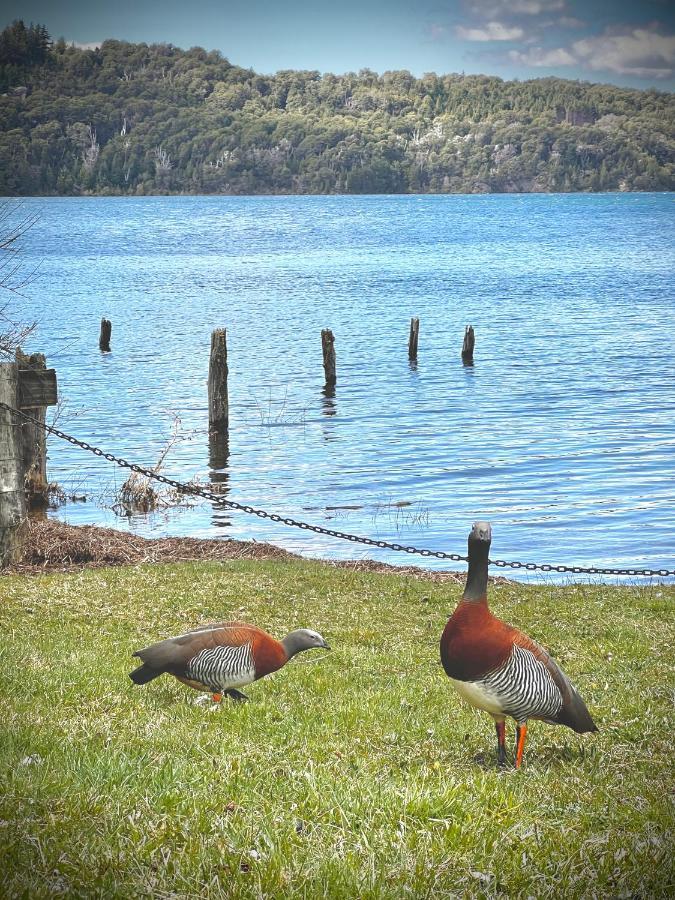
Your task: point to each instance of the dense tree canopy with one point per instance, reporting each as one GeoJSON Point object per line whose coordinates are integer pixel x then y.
{"type": "Point", "coordinates": [146, 119]}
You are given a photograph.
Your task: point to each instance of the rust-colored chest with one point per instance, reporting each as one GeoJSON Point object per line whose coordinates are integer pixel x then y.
{"type": "Point", "coordinates": [474, 642]}
{"type": "Point", "coordinates": [268, 654]}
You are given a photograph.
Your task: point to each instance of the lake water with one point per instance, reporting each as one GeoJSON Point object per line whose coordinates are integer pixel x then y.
{"type": "Point", "coordinates": [562, 434]}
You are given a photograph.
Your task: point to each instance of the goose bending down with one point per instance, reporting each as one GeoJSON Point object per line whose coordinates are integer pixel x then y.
{"type": "Point", "coordinates": [222, 658]}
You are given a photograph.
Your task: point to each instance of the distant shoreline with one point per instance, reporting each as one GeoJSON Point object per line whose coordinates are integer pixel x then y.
{"type": "Point", "coordinates": [107, 195]}
{"type": "Point", "coordinates": [130, 119]}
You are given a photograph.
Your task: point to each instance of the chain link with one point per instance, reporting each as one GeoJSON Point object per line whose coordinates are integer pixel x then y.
{"type": "Point", "coordinates": [318, 529]}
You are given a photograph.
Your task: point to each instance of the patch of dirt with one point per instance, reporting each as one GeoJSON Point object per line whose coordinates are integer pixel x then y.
{"type": "Point", "coordinates": [52, 546]}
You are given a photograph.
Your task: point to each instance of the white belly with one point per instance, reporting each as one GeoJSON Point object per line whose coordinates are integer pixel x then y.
{"type": "Point", "coordinates": [479, 695]}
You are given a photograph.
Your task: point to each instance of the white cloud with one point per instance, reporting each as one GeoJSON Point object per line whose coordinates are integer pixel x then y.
{"type": "Point", "coordinates": [540, 57]}
{"type": "Point", "coordinates": [88, 45]}
{"type": "Point", "coordinates": [643, 52]}
{"type": "Point", "coordinates": [535, 7]}
{"type": "Point", "coordinates": [571, 22]}
{"type": "Point", "coordinates": [490, 9]}
{"type": "Point", "coordinates": [491, 31]}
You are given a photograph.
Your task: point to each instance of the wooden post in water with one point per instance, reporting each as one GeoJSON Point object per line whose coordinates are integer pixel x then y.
{"type": "Point", "coordinates": [328, 347]}
{"type": "Point", "coordinates": [34, 438]}
{"type": "Point", "coordinates": [104, 336]}
{"type": "Point", "coordinates": [12, 497]}
{"type": "Point", "coordinates": [468, 345]}
{"type": "Point", "coordinates": [219, 408]}
{"type": "Point", "coordinates": [414, 338]}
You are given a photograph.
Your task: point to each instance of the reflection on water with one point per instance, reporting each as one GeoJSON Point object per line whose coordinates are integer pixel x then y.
{"type": "Point", "coordinates": [329, 408]}
{"type": "Point", "coordinates": [219, 455]}
{"type": "Point", "coordinates": [558, 425]}
{"type": "Point", "coordinates": [328, 404]}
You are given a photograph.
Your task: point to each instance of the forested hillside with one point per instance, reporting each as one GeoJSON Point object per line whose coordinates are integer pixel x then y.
{"type": "Point", "coordinates": [148, 119]}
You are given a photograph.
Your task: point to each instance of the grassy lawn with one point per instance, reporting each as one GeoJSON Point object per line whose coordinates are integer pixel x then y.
{"type": "Point", "coordinates": [357, 773]}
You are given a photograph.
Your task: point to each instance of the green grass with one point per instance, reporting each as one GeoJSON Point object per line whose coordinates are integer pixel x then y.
{"type": "Point", "coordinates": [357, 773]}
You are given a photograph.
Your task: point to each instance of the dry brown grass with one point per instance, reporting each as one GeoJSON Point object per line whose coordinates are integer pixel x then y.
{"type": "Point", "coordinates": [52, 546]}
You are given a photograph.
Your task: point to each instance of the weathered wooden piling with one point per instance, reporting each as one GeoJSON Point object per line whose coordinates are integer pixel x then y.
{"type": "Point", "coordinates": [414, 338]}
{"type": "Point", "coordinates": [24, 385]}
{"type": "Point", "coordinates": [12, 496]}
{"type": "Point", "coordinates": [34, 438]}
{"type": "Point", "coordinates": [104, 336]}
{"type": "Point", "coordinates": [468, 345]}
{"type": "Point", "coordinates": [219, 407]}
{"type": "Point", "coordinates": [328, 347]}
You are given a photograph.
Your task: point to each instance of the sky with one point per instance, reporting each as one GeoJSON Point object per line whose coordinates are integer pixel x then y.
{"type": "Point", "coordinates": [624, 42]}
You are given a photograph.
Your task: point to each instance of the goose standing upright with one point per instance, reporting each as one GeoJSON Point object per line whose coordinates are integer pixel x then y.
{"type": "Point", "coordinates": [499, 669]}
{"type": "Point", "coordinates": [223, 657]}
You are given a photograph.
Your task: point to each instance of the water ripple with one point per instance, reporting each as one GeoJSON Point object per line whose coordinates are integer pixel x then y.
{"type": "Point", "coordinates": [562, 434]}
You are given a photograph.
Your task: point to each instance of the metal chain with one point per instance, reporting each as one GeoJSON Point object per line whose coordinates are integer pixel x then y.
{"type": "Point", "coordinates": [318, 529]}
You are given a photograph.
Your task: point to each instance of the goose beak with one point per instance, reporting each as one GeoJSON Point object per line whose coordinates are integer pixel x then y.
{"type": "Point", "coordinates": [326, 646]}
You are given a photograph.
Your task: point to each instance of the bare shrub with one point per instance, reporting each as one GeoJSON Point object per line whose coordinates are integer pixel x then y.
{"type": "Point", "coordinates": [138, 494]}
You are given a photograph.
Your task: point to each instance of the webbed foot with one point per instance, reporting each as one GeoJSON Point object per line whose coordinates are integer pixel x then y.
{"type": "Point", "coordinates": [236, 695]}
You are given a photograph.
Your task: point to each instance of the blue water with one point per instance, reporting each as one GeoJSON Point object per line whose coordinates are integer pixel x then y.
{"type": "Point", "coordinates": [562, 434]}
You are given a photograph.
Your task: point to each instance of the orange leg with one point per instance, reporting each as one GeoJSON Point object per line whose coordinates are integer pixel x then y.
{"type": "Point", "coordinates": [521, 734]}
{"type": "Point", "coordinates": [217, 698]}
